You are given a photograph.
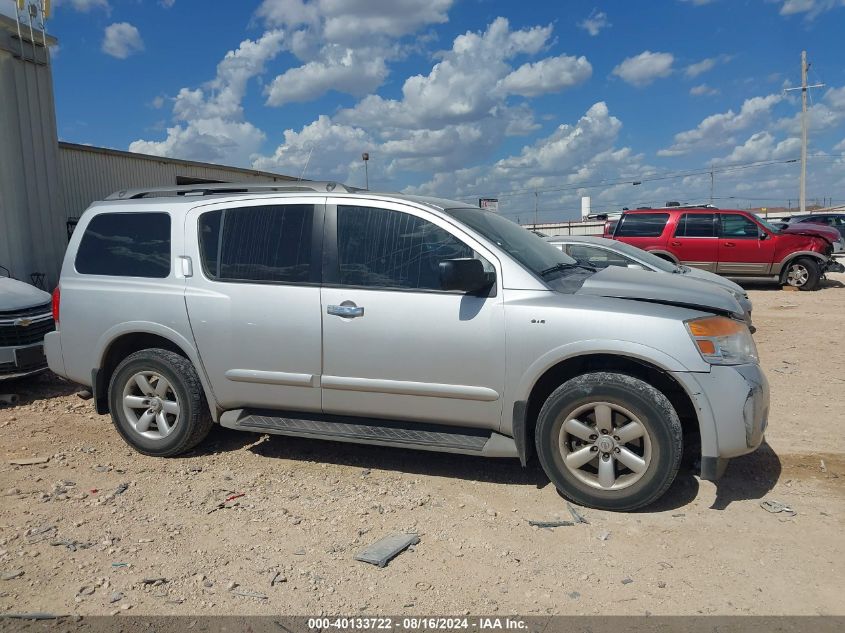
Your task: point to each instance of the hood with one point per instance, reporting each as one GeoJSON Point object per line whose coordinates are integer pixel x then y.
{"type": "Point", "coordinates": [713, 278]}
{"type": "Point", "coordinates": [815, 230]}
{"type": "Point", "coordinates": [679, 290]}
{"type": "Point", "coordinates": [16, 295]}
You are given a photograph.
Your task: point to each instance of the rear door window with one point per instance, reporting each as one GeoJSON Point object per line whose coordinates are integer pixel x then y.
{"type": "Point", "coordinates": [738, 227]}
{"type": "Point", "coordinates": [126, 245]}
{"type": "Point", "coordinates": [264, 244]}
{"type": "Point", "coordinates": [642, 225]}
{"type": "Point", "coordinates": [696, 225]}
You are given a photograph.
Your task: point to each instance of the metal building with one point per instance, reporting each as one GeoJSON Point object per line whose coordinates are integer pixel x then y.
{"type": "Point", "coordinates": [45, 185]}
{"type": "Point", "coordinates": [89, 173]}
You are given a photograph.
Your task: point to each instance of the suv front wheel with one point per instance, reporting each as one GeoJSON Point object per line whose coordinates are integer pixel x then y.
{"type": "Point", "coordinates": [157, 403]}
{"type": "Point", "coordinates": [804, 273]}
{"type": "Point", "coordinates": [609, 441]}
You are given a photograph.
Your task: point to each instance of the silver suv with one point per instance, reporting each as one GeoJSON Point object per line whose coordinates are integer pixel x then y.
{"type": "Point", "coordinates": [322, 311]}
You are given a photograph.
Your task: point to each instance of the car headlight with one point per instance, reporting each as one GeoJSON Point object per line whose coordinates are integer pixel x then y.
{"type": "Point", "coordinates": [723, 341]}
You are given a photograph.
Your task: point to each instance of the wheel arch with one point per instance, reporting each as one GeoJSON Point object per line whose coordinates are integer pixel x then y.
{"type": "Point", "coordinates": [527, 411]}
{"type": "Point", "coordinates": [792, 257]}
{"type": "Point", "coordinates": [669, 257]}
{"type": "Point", "coordinates": [129, 338]}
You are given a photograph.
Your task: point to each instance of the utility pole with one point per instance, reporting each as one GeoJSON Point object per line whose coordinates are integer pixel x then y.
{"type": "Point", "coordinates": [804, 88]}
{"type": "Point", "coordinates": [711, 186]}
{"type": "Point", "coordinates": [536, 198]}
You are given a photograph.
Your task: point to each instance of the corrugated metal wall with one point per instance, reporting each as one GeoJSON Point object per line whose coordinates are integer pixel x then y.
{"type": "Point", "coordinates": [92, 173]}
{"type": "Point", "coordinates": [32, 235]}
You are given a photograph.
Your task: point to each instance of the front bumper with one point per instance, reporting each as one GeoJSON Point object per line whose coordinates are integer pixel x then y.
{"type": "Point", "coordinates": [732, 403]}
{"type": "Point", "coordinates": [834, 266]}
{"type": "Point", "coordinates": [21, 361]}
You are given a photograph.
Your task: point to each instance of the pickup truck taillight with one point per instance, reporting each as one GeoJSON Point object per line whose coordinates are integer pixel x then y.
{"type": "Point", "coordinates": [57, 298]}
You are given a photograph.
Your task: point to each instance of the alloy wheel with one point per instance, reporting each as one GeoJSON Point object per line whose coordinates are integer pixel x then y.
{"type": "Point", "coordinates": [151, 405]}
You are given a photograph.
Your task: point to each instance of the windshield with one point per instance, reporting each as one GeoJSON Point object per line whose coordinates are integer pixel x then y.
{"type": "Point", "coordinates": [637, 253]}
{"type": "Point", "coordinates": [528, 249]}
{"type": "Point", "coordinates": [769, 227]}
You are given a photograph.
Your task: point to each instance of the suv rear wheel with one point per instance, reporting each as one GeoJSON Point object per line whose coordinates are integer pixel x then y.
{"type": "Point", "coordinates": [803, 273]}
{"type": "Point", "coordinates": [157, 403]}
{"type": "Point", "coordinates": [609, 441]}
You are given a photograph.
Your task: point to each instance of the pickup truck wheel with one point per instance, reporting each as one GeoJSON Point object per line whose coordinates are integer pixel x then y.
{"type": "Point", "coordinates": [609, 441]}
{"type": "Point", "coordinates": [157, 403]}
{"type": "Point", "coordinates": [803, 273]}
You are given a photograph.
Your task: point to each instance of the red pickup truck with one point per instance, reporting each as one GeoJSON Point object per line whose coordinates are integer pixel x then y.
{"type": "Point", "coordinates": [732, 243]}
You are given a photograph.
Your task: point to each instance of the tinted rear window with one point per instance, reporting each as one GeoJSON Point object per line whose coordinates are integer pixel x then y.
{"type": "Point", "coordinates": [696, 225]}
{"type": "Point", "coordinates": [126, 245]}
{"type": "Point", "coordinates": [264, 244]}
{"type": "Point", "coordinates": [642, 225]}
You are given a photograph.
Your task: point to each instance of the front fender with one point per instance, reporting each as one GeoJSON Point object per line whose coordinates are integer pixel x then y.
{"type": "Point", "coordinates": [629, 349]}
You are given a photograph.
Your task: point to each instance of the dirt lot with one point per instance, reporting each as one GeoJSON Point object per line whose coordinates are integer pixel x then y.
{"type": "Point", "coordinates": [73, 540]}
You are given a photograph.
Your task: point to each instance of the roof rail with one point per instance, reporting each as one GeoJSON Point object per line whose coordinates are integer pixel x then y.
{"type": "Point", "coordinates": [223, 188]}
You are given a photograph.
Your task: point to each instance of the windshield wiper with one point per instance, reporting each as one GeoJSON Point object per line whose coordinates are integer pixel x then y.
{"type": "Point", "coordinates": [562, 266]}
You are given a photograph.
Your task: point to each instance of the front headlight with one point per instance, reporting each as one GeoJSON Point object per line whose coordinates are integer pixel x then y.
{"type": "Point", "coordinates": [723, 341]}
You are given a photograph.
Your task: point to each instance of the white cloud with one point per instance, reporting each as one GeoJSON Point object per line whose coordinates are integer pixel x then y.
{"type": "Point", "coordinates": [811, 8]}
{"type": "Point", "coordinates": [549, 75]}
{"type": "Point", "coordinates": [762, 146]}
{"type": "Point", "coordinates": [334, 150]}
{"type": "Point", "coordinates": [840, 146]}
{"type": "Point", "coordinates": [355, 71]}
{"type": "Point", "coordinates": [595, 22]}
{"type": "Point", "coordinates": [823, 116]}
{"type": "Point", "coordinates": [718, 129]}
{"type": "Point", "coordinates": [121, 40]}
{"type": "Point", "coordinates": [84, 6]}
{"type": "Point", "coordinates": [705, 65]}
{"type": "Point", "coordinates": [157, 102]}
{"type": "Point", "coordinates": [703, 90]}
{"type": "Point", "coordinates": [210, 125]}
{"type": "Point", "coordinates": [355, 21]}
{"type": "Point", "coordinates": [167, 4]}
{"type": "Point", "coordinates": [645, 68]}
{"type": "Point", "coordinates": [465, 84]}
{"type": "Point", "coordinates": [343, 45]}
{"type": "Point", "coordinates": [699, 3]}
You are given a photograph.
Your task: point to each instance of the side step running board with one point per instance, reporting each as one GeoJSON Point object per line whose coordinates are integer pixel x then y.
{"type": "Point", "coordinates": [428, 437]}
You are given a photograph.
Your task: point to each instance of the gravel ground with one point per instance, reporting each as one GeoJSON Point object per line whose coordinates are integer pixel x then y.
{"type": "Point", "coordinates": [100, 529]}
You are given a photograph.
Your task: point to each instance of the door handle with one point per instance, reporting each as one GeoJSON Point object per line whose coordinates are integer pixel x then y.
{"type": "Point", "coordinates": [347, 310]}
{"type": "Point", "coordinates": [728, 244]}
{"type": "Point", "coordinates": [674, 243]}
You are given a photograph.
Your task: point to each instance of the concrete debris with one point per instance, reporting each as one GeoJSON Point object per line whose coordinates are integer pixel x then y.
{"type": "Point", "coordinates": [154, 581]}
{"type": "Point", "coordinates": [11, 575]}
{"type": "Point", "coordinates": [776, 507]}
{"type": "Point", "coordinates": [8, 398]}
{"type": "Point", "coordinates": [84, 394]}
{"type": "Point", "coordinates": [116, 596]}
{"type": "Point", "coordinates": [385, 549]}
{"type": "Point", "coordinates": [627, 581]}
{"type": "Point", "coordinates": [277, 579]}
{"type": "Point", "coordinates": [29, 461]}
{"type": "Point", "coordinates": [249, 594]}
{"type": "Point", "coordinates": [550, 524]}
{"type": "Point", "coordinates": [603, 536]}
{"type": "Point", "coordinates": [576, 515]}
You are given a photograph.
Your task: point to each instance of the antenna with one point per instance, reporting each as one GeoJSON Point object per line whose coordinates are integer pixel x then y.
{"type": "Point", "coordinates": [307, 160]}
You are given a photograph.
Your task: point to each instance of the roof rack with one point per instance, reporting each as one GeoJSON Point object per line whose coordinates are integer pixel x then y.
{"type": "Point", "coordinates": [224, 188]}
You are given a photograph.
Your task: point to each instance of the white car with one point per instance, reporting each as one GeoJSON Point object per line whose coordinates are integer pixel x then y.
{"type": "Point", "coordinates": [600, 252]}
{"type": "Point", "coordinates": [25, 317]}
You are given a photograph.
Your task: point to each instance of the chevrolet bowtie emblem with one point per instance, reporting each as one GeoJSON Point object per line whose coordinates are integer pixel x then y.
{"type": "Point", "coordinates": [23, 322]}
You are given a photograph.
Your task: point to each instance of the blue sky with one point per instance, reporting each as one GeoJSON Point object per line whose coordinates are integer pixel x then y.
{"type": "Point", "coordinates": [467, 98]}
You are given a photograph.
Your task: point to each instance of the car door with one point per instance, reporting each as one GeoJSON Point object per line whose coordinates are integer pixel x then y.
{"type": "Point", "coordinates": [395, 346]}
{"type": "Point", "coordinates": [745, 248]}
{"type": "Point", "coordinates": [253, 300]}
{"type": "Point", "coordinates": [695, 241]}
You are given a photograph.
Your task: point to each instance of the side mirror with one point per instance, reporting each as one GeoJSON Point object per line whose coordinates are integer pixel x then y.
{"type": "Point", "coordinates": [763, 236]}
{"type": "Point", "coordinates": [466, 274]}
{"type": "Point", "coordinates": [635, 267]}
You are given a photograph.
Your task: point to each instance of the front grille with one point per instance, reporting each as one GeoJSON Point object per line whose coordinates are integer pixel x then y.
{"type": "Point", "coordinates": [20, 335]}
{"type": "Point", "coordinates": [44, 308]}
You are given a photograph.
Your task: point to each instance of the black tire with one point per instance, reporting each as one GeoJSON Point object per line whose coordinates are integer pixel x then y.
{"type": "Point", "coordinates": [193, 422]}
{"type": "Point", "coordinates": [651, 408]}
{"type": "Point", "coordinates": [813, 271]}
